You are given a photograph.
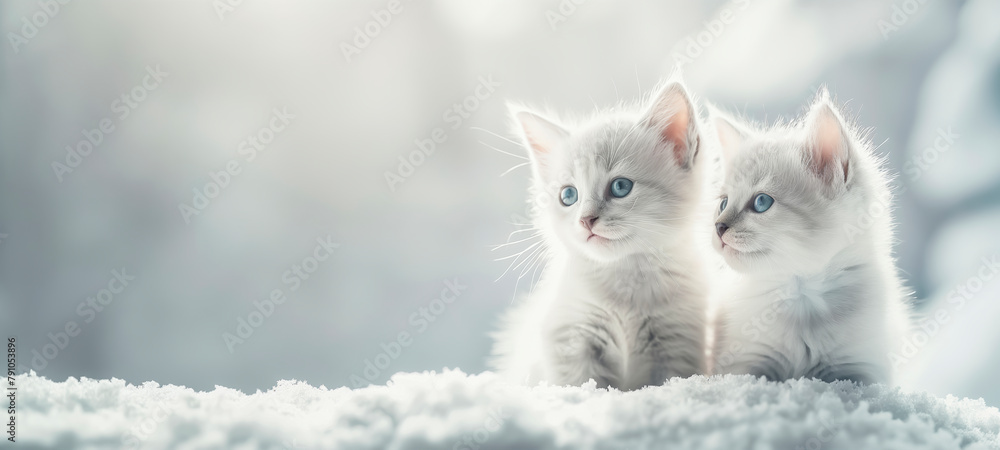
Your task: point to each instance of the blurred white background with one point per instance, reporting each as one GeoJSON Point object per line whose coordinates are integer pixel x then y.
{"type": "Point", "coordinates": [909, 70]}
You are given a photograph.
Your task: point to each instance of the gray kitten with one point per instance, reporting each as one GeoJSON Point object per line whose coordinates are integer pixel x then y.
{"type": "Point", "coordinates": [622, 297]}
{"type": "Point", "coordinates": [803, 221]}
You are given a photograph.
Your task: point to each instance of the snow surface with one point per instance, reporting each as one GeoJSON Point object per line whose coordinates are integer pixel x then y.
{"type": "Point", "coordinates": [452, 410]}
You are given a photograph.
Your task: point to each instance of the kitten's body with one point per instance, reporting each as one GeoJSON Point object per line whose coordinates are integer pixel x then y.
{"type": "Point", "coordinates": [582, 322]}
{"type": "Point", "coordinates": [628, 312]}
{"type": "Point", "coordinates": [838, 323]}
{"type": "Point", "coordinates": [814, 292]}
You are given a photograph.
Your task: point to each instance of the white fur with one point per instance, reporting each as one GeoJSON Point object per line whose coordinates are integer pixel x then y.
{"type": "Point", "coordinates": [813, 291]}
{"type": "Point", "coordinates": [627, 311]}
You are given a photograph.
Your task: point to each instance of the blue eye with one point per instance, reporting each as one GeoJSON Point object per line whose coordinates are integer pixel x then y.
{"type": "Point", "coordinates": [568, 195]}
{"type": "Point", "coordinates": [762, 202]}
{"type": "Point", "coordinates": [725, 201]}
{"type": "Point", "coordinates": [620, 187]}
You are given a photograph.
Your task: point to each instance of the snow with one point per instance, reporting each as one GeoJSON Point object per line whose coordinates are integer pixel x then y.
{"type": "Point", "coordinates": [452, 410]}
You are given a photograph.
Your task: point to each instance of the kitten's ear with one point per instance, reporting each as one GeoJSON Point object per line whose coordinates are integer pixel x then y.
{"type": "Point", "coordinates": [673, 116]}
{"type": "Point", "coordinates": [731, 133]}
{"type": "Point", "coordinates": [827, 143]}
{"type": "Point", "coordinates": [541, 136]}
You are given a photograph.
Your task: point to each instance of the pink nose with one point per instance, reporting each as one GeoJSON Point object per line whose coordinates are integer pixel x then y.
{"type": "Point", "coordinates": [720, 228]}
{"type": "Point", "coordinates": [588, 222]}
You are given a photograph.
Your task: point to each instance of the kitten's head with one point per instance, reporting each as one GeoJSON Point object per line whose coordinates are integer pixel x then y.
{"type": "Point", "coordinates": [617, 184]}
{"type": "Point", "coordinates": [789, 192]}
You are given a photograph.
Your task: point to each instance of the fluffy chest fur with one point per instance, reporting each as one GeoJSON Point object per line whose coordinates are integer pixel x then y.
{"type": "Point", "coordinates": [827, 326]}
{"type": "Point", "coordinates": [634, 325]}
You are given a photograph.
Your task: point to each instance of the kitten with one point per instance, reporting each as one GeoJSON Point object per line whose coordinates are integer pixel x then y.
{"type": "Point", "coordinates": [803, 220]}
{"type": "Point", "coordinates": [621, 299]}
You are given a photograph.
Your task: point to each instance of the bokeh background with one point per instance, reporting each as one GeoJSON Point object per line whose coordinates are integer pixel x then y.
{"type": "Point", "coordinates": [910, 70]}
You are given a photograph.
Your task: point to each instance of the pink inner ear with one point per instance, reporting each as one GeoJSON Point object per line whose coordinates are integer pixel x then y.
{"type": "Point", "coordinates": [541, 135]}
{"type": "Point", "coordinates": [676, 132]}
{"type": "Point", "coordinates": [537, 144]}
{"type": "Point", "coordinates": [729, 137]}
{"type": "Point", "coordinates": [829, 144]}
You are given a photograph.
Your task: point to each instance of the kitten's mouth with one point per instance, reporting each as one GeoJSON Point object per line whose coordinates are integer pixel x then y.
{"type": "Point", "coordinates": [741, 252]}
{"type": "Point", "coordinates": [597, 238]}
{"type": "Point", "coordinates": [730, 248]}
{"type": "Point", "coordinates": [723, 246]}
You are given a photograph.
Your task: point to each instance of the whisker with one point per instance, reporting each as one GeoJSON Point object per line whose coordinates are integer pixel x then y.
{"type": "Point", "coordinates": [513, 262]}
{"type": "Point", "coordinates": [497, 247]}
{"type": "Point", "coordinates": [522, 231]}
{"type": "Point", "coordinates": [518, 144]}
{"type": "Point", "coordinates": [517, 254]}
{"type": "Point", "coordinates": [538, 265]}
{"type": "Point", "coordinates": [535, 256]}
{"type": "Point", "coordinates": [530, 255]}
{"type": "Point", "coordinates": [515, 167]}
{"type": "Point", "coordinates": [504, 152]}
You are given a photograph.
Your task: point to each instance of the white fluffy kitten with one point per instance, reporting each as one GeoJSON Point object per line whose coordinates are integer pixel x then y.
{"type": "Point", "coordinates": [621, 299]}
{"type": "Point", "coordinates": [803, 220]}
